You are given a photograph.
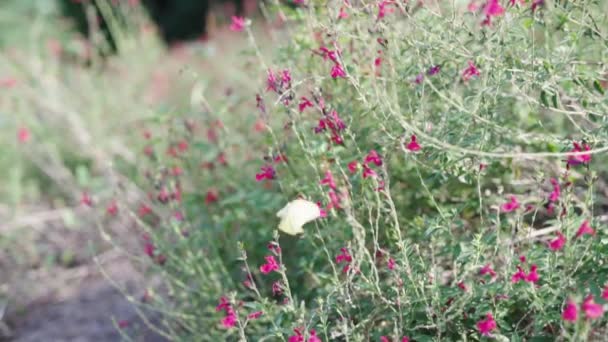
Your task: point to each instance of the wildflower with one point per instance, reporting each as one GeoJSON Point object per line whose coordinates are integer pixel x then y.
{"type": "Point", "coordinates": [470, 71]}
{"type": "Point", "coordinates": [519, 275]}
{"type": "Point", "coordinates": [334, 200]}
{"type": "Point", "coordinates": [522, 259]}
{"type": "Point", "coordinates": [8, 82]}
{"type": "Point", "coordinates": [413, 145]}
{"type": "Point", "coordinates": [296, 214]}
{"type": "Point", "coordinates": [313, 336]}
{"type": "Point", "coordinates": [281, 157]}
{"type": "Point", "coordinates": [322, 211]}
{"type": "Point", "coordinates": [271, 81]}
{"type": "Point", "coordinates": [337, 71]}
{"type": "Point", "coordinates": [585, 228]}
{"type": "Point", "coordinates": [148, 151]}
{"type": "Point", "coordinates": [144, 210]}
{"type": "Point", "coordinates": [391, 264]}
{"type": "Point", "coordinates": [343, 14]}
{"type": "Point", "coordinates": [334, 121]}
{"type": "Point", "coordinates": [255, 315]}
{"type": "Point", "coordinates": [353, 166]}
{"type": "Point", "coordinates": [149, 248]}
{"type": "Point", "coordinates": [592, 310]}
{"type": "Point", "coordinates": [492, 9]}
{"type": "Point", "coordinates": [182, 146]}
{"type": "Point", "coordinates": [557, 243]}
{"type": "Point", "coordinates": [378, 60]}
{"type": "Point", "coordinates": [112, 209]}
{"type": "Point", "coordinates": [238, 24]}
{"type": "Point", "coordinates": [367, 172]}
{"type": "Point", "coordinates": [405, 339]}
{"type": "Point", "coordinates": [434, 70]}
{"type": "Point", "coordinates": [461, 285]}
{"type": "Point", "coordinates": [23, 135]}
{"type": "Point", "coordinates": [85, 199]}
{"type": "Point", "coordinates": [419, 78]}
{"type": "Point", "coordinates": [384, 339]}
{"type": "Point", "coordinates": [487, 269]}
{"type": "Point", "coordinates": [382, 8]}
{"type": "Point", "coordinates": [274, 247]}
{"type": "Point", "coordinates": [570, 313]}
{"type": "Point", "coordinates": [268, 172]}
{"type": "Point", "coordinates": [304, 103]}
{"type": "Point", "coordinates": [297, 337]}
{"type": "Point", "coordinates": [486, 326]}
{"type": "Point", "coordinates": [536, 4]}
{"type": "Point", "coordinates": [532, 276]}
{"type": "Point", "coordinates": [344, 257]}
{"type": "Point", "coordinates": [212, 196]}
{"type": "Point", "coordinates": [270, 265]}
{"type": "Point", "coordinates": [123, 323]}
{"type": "Point", "coordinates": [554, 195]}
{"type": "Point", "coordinates": [230, 320]}
{"type": "Point", "coordinates": [510, 206]}
{"type": "Point", "coordinates": [276, 288]}
{"type": "Point", "coordinates": [373, 157]}
{"type": "Point", "coordinates": [328, 180]}
{"type": "Point", "coordinates": [178, 215]}
{"type": "Point", "coordinates": [579, 159]}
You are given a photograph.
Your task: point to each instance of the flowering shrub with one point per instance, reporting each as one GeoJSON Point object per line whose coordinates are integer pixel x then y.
{"type": "Point", "coordinates": [454, 149]}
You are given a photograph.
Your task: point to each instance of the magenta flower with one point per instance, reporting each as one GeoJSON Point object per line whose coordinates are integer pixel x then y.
{"type": "Point", "coordinates": [337, 71]}
{"type": "Point", "coordinates": [271, 81]}
{"type": "Point", "coordinates": [373, 157]}
{"type": "Point", "coordinates": [557, 243]}
{"type": "Point", "coordinates": [434, 70]}
{"type": "Point", "coordinates": [591, 308]}
{"type": "Point", "coordinates": [554, 196]}
{"type": "Point", "coordinates": [368, 172]}
{"type": "Point", "coordinates": [353, 166]}
{"type": "Point", "coordinates": [238, 24]}
{"type": "Point", "coordinates": [230, 320]}
{"type": "Point", "coordinates": [255, 315]}
{"type": "Point", "coordinates": [298, 337]}
{"type": "Point", "coordinates": [536, 4]}
{"type": "Point", "coordinates": [487, 269]}
{"type": "Point", "coordinates": [270, 265]}
{"type": "Point", "coordinates": [391, 264]}
{"type": "Point", "coordinates": [461, 285]}
{"type": "Point", "coordinates": [570, 313]}
{"type": "Point", "coordinates": [382, 8]}
{"type": "Point", "coordinates": [268, 172]}
{"type": "Point", "coordinates": [313, 336]}
{"type": "Point", "coordinates": [328, 180]}
{"type": "Point", "coordinates": [334, 200]}
{"type": "Point", "coordinates": [344, 257]}
{"type": "Point", "coordinates": [510, 206]}
{"type": "Point", "coordinates": [419, 78]}
{"type": "Point", "coordinates": [304, 103]}
{"type": "Point", "coordinates": [487, 325]}
{"type": "Point", "coordinates": [343, 14]}
{"type": "Point", "coordinates": [321, 210]}
{"type": "Point", "coordinates": [23, 135]}
{"type": "Point", "coordinates": [585, 228]}
{"type": "Point", "coordinates": [413, 145]}
{"type": "Point", "coordinates": [532, 276]}
{"type": "Point", "coordinates": [519, 275]}
{"type": "Point", "coordinates": [112, 208]}
{"type": "Point", "coordinates": [579, 159]}
{"type": "Point", "coordinates": [470, 71]}
{"type": "Point", "coordinates": [86, 200]}
{"type": "Point", "coordinates": [492, 9]}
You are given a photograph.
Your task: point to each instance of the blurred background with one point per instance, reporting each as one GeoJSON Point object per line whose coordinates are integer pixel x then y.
{"type": "Point", "coordinates": [76, 77]}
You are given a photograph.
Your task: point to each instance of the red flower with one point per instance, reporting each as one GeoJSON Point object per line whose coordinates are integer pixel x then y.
{"type": "Point", "coordinates": [344, 257]}
{"type": "Point", "coordinates": [585, 228]}
{"type": "Point", "coordinates": [329, 180]}
{"type": "Point", "coordinates": [268, 172]}
{"type": "Point", "coordinates": [255, 315]}
{"type": "Point", "coordinates": [592, 310]}
{"type": "Point", "coordinates": [270, 265]}
{"type": "Point", "coordinates": [353, 166]}
{"type": "Point", "coordinates": [373, 157]}
{"type": "Point", "coordinates": [413, 144]}
{"type": "Point", "coordinates": [486, 326]}
{"type": "Point", "coordinates": [212, 196]}
{"type": "Point", "coordinates": [23, 135]}
{"type": "Point", "coordinates": [112, 209]}
{"type": "Point", "coordinates": [238, 24]}
{"type": "Point", "coordinates": [557, 243]}
{"type": "Point", "coordinates": [510, 206]}
{"type": "Point", "coordinates": [304, 103]}
{"type": "Point", "coordinates": [462, 286]}
{"type": "Point", "coordinates": [487, 269]}
{"type": "Point", "coordinates": [470, 71]}
{"type": "Point", "coordinates": [605, 292]}
{"type": "Point", "coordinates": [570, 313]}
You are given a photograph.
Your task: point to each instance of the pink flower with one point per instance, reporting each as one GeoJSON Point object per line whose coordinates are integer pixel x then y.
{"type": "Point", "coordinates": [304, 103]}
{"type": "Point", "coordinates": [112, 209]}
{"type": "Point", "coordinates": [554, 196]}
{"type": "Point", "coordinates": [605, 292]}
{"type": "Point", "coordinates": [470, 71]}
{"type": "Point", "coordinates": [230, 320]}
{"type": "Point", "coordinates": [570, 313]}
{"type": "Point", "coordinates": [286, 76]}
{"type": "Point", "coordinates": [461, 285]}
{"type": "Point", "coordinates": [8, 82]}
{"type": "Point", "coordinates": [321, 210]}
{"type": "Point", "coordinates": [413, 144]}
{"type": "Point", "coordinates": [592, 310]}
{"type": "Point", "coordinates": [557, 243]}
{"type": "Point", "coordinates": [238, 24]}
{"type": "Point", "coordinates": [391, 264]}
{"type": "Point", "coordinates": [255, 315]}
{"type": "Point", "coordinates": [585, 228]}
{"type": "Point", "coordinates": [334, 200]}
{"type": "Point", "coordinates": [23, 135]}
{"type": "Point", "coordinates": [329, 180]}
{"type": "Point", "coordinates": [384, 339]}
{"type": "Point", "coordinates": [270, 265]}
{"type": "Point", "coordinates": [337, 71]}
{"type": "Point", "coordinates": [487, 269]}
{"type": "Point", "coordinates": [313, 336]}
{"type": "Point", "coordinates": [486, 326]}
{"type": "Point", "coordinates": [536, 4]}
{"type": "Point", "coordinates": [343, 14]}
{"type": "Point", "coordinates": [532, 276]}
{"type": "Point", "coordinates": [519, 275]}
{"type": "Point", "coordinates": [434, 70]}
{"type": "Point", "coordinates": [353, 166]}
{"type": "Point", "coordinates": [271, 81]}
{"type": "Point", "coordinates": [373, 157]}
{"type": "Point", "coordinates": [492, 9]}
{"type": "Point", "coordinates": [85, 199]}
{"type": "Point", "coordinates": [268, 172]}
{"type": "Point", "coordinates": [144, 210]}
{"type": "Point", "coordinates": [344, 257]}
{"type": "Point", "coordinates": [212, 196]}
{"type": "Point", "coordinates": [382, 8]}
{"type": "Point", "coordinates": [368, 172]}
{"type": "Point", "coordinates": [419, 78]}
{"type": "Point", "coordinates": [297, 337]}
{"type": "Point", "coordinates": [579, 159]}
{"type": "Point", "coordinates": [510, 206]}
{"type": "Point", "coordinates": [405, 339]}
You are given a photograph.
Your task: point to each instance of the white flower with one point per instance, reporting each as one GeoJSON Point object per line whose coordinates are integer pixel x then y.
{"type": "Point", "coordinates": [296, 214]}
